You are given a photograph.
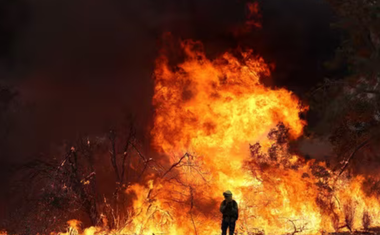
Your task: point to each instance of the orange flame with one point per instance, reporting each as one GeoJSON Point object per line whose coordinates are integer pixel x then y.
{"type": "Point", "coordinates": [213, 110]}
{"type": "Point", "coordinates": [208, 113]}
{"type": "Point", "coordinates": [253, 20]}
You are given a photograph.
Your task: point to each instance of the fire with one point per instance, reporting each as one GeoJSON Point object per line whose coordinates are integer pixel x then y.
{"type": "Point", "coordinates": [213, 110]}
{"type": "Point", "coordinates": [215, 105]}
{"type": "Point", "coordinates": [221, 128]}
{"type": "Point", "coordinates": [253, 20]}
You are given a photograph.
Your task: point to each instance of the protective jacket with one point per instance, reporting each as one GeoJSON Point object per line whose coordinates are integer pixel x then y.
{"type": "Point", "coordinates": [229, 210]}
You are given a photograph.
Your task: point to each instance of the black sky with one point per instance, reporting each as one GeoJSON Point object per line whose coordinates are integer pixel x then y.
{"type": "Point", "coordinates": [80, 65]}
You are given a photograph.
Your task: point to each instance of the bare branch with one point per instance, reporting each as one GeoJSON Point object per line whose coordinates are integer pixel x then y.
{"type": "Point", "coordinates": [138, 152]}
{"type": "Point", "coordinates": [146, 163]}
{"type": "Point", "coordinates": [297, 230]}
{"type": "Point", "coordinates": [112, 137]}
{"type": "Point", "coordinates": [346, 162]}
{"type": "Point", "coordinates": [175, 164]}
{"type": "Point", "coordinates": [191, 210]}
{"type": "Point", "coordinates": [88, 177]}
{"type": "Point", "coordinates": [131, 135]}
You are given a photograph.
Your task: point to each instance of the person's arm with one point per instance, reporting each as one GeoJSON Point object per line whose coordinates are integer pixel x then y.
{"type": "Point", "coordinates": [222, 206]}
{"type": "Point", "coordinates": [235, 209]}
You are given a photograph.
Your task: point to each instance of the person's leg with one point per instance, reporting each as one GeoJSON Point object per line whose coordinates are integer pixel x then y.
{"type": "Point", "coordinates": [232, 228]}
{"type": "Point", "coordinates": [224, 227]}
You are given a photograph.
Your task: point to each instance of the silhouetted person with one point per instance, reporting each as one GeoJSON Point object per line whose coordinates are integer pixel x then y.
{"type": "Point", "coordinates": [230, 211]}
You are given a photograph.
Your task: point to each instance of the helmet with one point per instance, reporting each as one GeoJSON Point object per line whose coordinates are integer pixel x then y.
{"type": "Point", "coordinates": [228, 192]}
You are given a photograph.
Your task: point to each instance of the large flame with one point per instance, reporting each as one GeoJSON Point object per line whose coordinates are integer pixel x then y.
{"type": "Point", "coordinates": [214, 121]}
{"type": "Point", "coordinates": [214, 124]}
{"type": "Point", "coordinates": [212, 110]}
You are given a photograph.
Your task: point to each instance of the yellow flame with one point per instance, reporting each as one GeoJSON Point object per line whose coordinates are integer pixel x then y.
{"type": "Point", "coordinates": [213, 110]}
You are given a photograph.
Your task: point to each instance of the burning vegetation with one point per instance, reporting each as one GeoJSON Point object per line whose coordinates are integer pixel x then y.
{"type": "Point", "coordinates": [216, 127]}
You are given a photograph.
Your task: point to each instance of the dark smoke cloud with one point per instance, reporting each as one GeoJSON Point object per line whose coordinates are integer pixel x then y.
{"type": "Point", "coordinates": [80, 65]}
{"type": "Point", "coordinates": [297, 37]}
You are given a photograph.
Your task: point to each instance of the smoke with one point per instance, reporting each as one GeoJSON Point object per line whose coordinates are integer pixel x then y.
{"type": "Point", "coordinates": [83, 63]}
{"type": "Point", "coordinates": [80, 66]}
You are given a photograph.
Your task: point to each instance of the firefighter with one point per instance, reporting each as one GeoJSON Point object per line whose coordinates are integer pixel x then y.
{"type": "Point", "coordinates": [230, 211]}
